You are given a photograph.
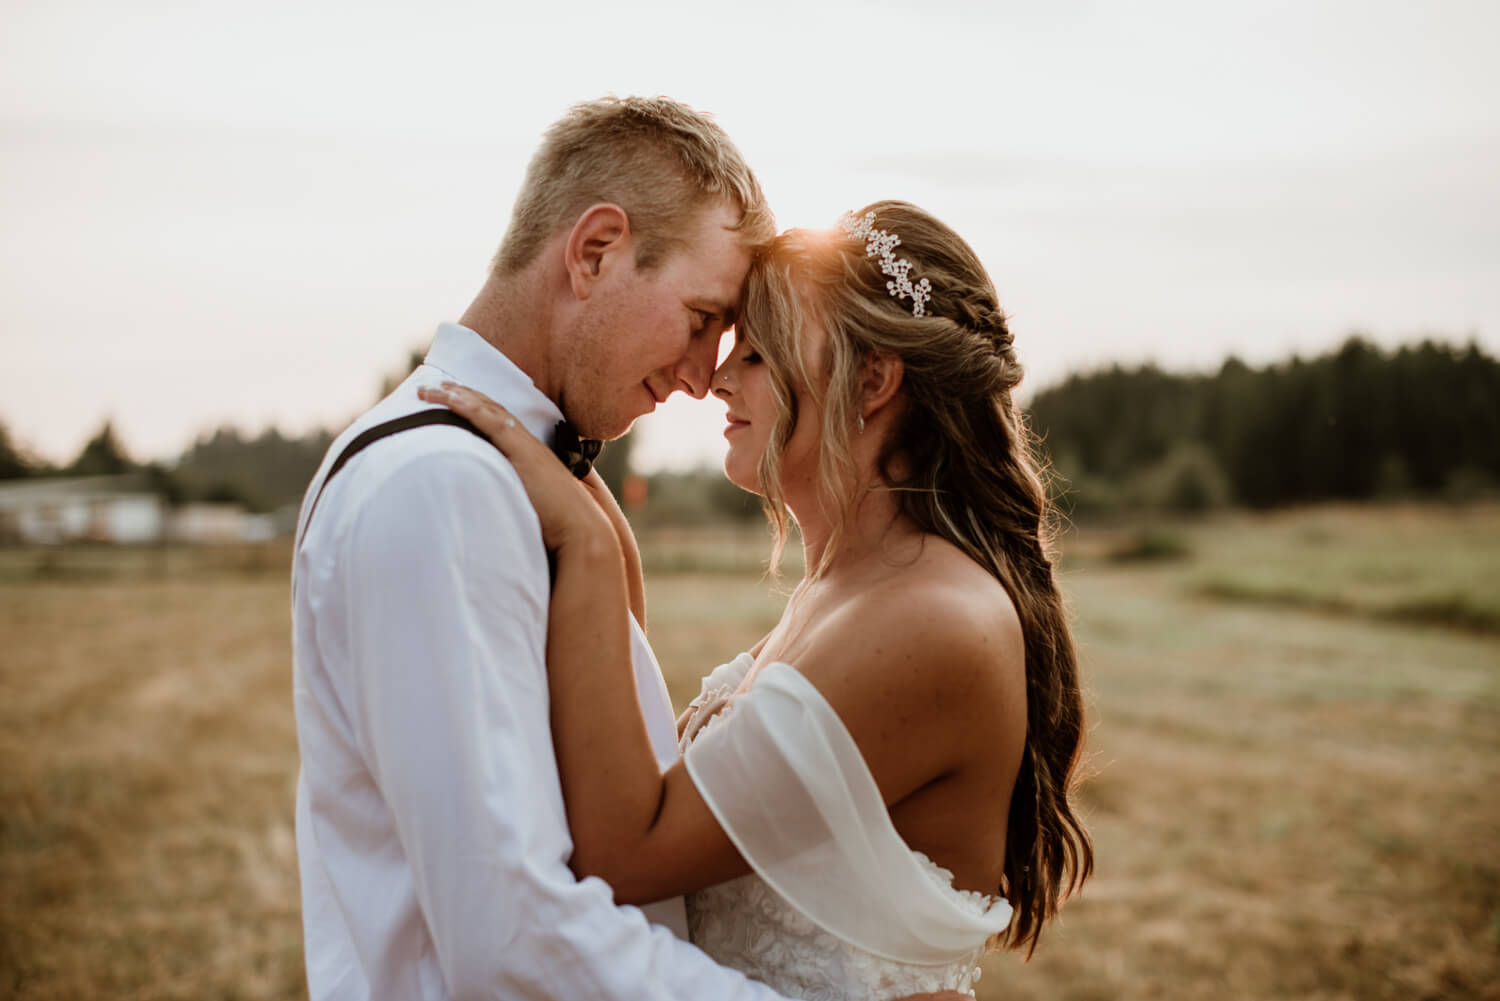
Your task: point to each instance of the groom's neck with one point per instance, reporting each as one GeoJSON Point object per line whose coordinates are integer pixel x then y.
{"type": "Point", "coordinates": [511, 314]}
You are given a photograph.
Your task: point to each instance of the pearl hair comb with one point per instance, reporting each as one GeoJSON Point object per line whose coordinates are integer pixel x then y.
{"type": "Point", "coordinates": [880, 243]}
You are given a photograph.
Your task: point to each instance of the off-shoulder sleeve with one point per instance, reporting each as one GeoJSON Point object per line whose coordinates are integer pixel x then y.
{"type": "Point", "coordinates": [791, 790]}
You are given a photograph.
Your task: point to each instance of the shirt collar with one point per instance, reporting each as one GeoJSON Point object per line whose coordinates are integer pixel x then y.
{"type": "Point", "coordinates": [469, 360]}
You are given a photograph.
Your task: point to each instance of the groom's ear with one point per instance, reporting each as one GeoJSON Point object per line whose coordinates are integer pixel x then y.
{"type": "Point", "coordinates": [599, 239]}
{"type": "Point", "coordinates": [880, 380]}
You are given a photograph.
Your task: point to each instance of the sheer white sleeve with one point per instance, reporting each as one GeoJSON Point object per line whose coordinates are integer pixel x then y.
{"type": "Point", "coordinates": [790, 788]}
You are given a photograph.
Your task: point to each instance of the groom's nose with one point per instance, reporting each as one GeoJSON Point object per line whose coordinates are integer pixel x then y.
{"type": "Point", "coordinates": [695, 372]}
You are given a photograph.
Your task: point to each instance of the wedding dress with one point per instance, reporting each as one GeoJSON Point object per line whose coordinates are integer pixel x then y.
{"type": "Point", "coordinates": [837, 906]}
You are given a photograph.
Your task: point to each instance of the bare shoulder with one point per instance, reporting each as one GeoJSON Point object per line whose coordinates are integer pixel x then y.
{"type": "Point", "coordinates": [943, 614]}
{"type": "Point", "coordinates": [930, 657]}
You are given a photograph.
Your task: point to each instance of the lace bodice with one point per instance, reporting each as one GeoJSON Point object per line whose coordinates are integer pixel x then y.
{"type": "Point", "coordinates": [747, 925]}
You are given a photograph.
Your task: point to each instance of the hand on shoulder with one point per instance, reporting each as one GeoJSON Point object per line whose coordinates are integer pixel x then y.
{"type": "Point", "coordinates": [564, 507]}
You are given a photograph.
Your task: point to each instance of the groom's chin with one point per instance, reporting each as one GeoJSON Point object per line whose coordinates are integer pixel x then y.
{"type": "Point", "coordinates": [602, 425]}
{"type": "Point", "coordinates": [611, 433]}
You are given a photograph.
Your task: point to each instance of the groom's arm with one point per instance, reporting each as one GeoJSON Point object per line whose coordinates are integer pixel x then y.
{"type": "Point", "coordinates": [448, 592]}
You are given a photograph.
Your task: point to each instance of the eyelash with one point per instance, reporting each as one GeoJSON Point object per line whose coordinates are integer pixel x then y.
{"type": "Point", "coordinates": [751, 356]}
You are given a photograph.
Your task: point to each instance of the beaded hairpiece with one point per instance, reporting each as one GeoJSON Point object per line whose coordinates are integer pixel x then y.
{"type": "Point", "coordinates": [880, 243]}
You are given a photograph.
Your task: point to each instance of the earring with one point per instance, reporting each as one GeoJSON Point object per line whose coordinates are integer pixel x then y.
{"type": "Point", "coordinates": [861, 419]}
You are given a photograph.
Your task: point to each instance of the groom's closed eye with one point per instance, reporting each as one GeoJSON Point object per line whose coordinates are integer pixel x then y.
{"type": "Point", "coordinates": [714, 314]}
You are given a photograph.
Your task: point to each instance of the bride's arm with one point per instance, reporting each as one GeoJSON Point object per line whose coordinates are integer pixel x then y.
{"type": "Point", "coordinates": [635, 580]}
{"type": "Point", "coordinates": [647, 834]}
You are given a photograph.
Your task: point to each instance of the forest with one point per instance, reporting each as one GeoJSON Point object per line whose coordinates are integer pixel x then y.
{"type": "Point", "coordinates": [1422, 422]}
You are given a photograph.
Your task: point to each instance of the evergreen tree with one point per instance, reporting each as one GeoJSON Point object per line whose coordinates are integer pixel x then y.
{"type": "Point", "coordinates": [263, 473]}
{"type": "Point", "coordinates": [13, 464]}
{"type": "Point", "coordinates": [103, 455]}
{"type": "Point", "coordinates": [1351, 425]}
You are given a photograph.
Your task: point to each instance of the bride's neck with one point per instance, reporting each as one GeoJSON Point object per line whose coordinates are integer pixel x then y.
{"type": "Point", "coordinates": [874, 524]}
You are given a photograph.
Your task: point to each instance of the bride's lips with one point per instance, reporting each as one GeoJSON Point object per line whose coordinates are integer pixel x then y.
{"type": "Point", "coordinates": [734, 424]}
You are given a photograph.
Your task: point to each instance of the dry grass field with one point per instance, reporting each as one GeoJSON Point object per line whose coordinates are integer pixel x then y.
{"type": "Point", "coordinates": [1295, 744]}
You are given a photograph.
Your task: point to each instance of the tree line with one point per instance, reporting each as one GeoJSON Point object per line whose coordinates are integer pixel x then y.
{"type": "Point", "coordinates": [1355, 424]}
{"type": "Point", "coordinates": [260, 472]}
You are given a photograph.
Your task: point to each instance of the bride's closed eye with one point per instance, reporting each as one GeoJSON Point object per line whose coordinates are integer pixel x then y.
{"type": "Point", "coordinates": [743, 350]}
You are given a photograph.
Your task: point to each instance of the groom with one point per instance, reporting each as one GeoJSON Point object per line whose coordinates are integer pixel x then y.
{"type": "Point", "coordinates": [431, 836]}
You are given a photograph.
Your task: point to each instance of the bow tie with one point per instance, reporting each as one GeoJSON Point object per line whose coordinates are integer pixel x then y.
{"type": "Point", "coordinates": [576, 453]}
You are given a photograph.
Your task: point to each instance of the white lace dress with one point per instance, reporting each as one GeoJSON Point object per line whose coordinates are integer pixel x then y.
{"type": "Point", "coordinates": [838, 907]}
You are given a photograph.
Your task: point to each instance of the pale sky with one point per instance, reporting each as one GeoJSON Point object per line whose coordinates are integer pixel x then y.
{"type": "Point", "coordinates": [248, 213]}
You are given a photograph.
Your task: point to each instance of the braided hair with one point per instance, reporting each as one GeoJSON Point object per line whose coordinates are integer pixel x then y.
{"type": "Point", "coordinates": [961, 464]}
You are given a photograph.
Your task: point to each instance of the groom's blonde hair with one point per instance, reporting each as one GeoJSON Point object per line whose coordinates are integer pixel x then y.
{"type": "Point", "coordinates": [659, 160]}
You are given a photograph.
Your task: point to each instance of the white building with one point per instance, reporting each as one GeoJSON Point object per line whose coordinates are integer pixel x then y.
{"type": "Point", "coordinates": [81, 509]}
{"type": "Point", "coordinates": [205, 522]}
{"type": "Point", "coordinates": [118, 509]}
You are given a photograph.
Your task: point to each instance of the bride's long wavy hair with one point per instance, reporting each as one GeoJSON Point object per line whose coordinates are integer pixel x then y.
{"type": "Point", "coordinates": [961, 466]}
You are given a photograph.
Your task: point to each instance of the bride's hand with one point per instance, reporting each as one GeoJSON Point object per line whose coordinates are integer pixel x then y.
{"type": "Point", "coordinates": [563, 505]}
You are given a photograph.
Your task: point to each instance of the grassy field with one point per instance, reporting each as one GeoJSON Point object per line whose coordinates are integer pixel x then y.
{"type": "Point", "coordinates": [1295, 744]}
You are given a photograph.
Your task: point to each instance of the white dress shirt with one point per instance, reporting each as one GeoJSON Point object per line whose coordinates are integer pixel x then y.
{"type": "Point", "coordinates": [431, 835]}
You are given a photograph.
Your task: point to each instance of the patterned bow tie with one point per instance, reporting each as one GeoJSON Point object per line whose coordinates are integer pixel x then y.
{"type": "Point", "coordinates": [576, 453]}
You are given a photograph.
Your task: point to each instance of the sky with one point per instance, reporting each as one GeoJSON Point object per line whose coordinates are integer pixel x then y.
{"type": "Point", "coordinates": [248, 214]}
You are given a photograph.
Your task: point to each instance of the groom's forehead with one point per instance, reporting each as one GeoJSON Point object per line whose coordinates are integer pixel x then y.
{"type": "Point", "coordinates": [715, 273]}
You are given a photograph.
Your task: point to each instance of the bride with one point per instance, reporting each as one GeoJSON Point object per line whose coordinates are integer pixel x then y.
{"type": "Point", "coordinates": [877, 791]}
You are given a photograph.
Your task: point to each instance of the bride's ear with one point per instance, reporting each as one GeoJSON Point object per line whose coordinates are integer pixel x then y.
{"type": "Point", "coordinates": [880, 380]}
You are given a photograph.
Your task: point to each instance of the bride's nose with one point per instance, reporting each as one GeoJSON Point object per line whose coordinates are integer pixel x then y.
{"type": "Point", "coordinates": [721, 379]}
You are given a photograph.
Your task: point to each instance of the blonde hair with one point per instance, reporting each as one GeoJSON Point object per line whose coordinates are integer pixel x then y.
{"type": "Point", "coordinates": [661, 161]}
{"type": "Point", "coordinates": [960, 465]}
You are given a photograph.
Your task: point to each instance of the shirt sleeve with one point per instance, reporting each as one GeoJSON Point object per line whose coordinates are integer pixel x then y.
{"type": "Point", "coordinates": [447, 585]}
